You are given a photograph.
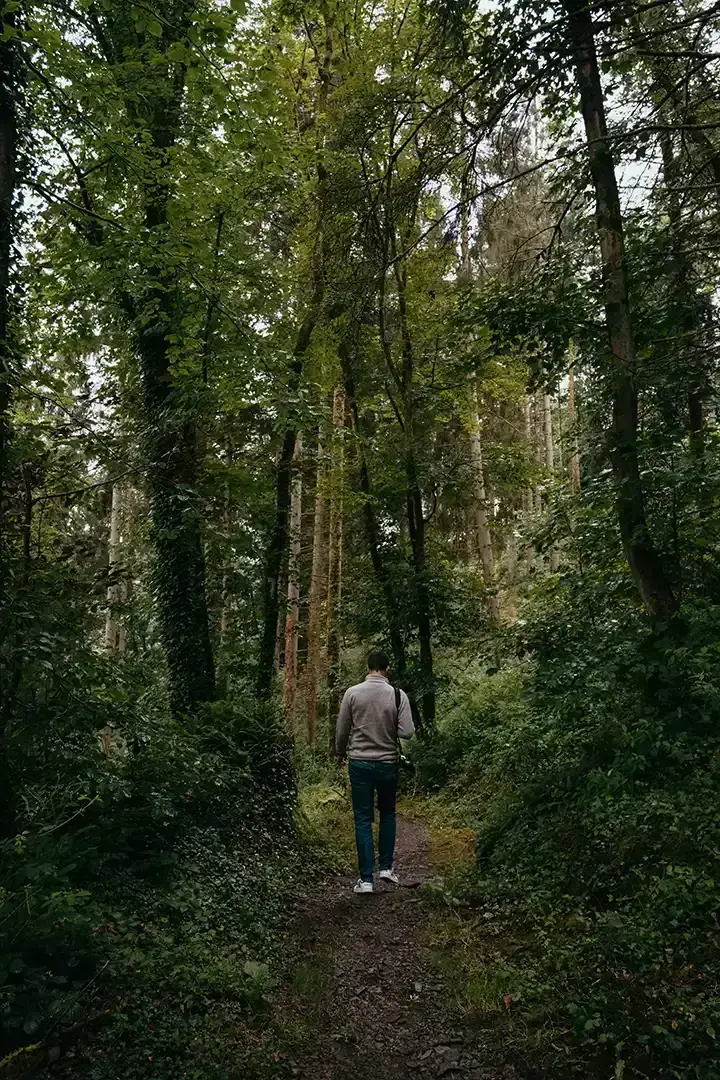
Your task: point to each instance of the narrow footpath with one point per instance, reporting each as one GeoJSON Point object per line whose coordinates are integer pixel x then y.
{"type": "Point", "coordinates": [365, 993]}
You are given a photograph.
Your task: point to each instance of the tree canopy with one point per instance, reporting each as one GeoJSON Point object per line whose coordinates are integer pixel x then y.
{"type": "Point", "coordinates": [329, 326]}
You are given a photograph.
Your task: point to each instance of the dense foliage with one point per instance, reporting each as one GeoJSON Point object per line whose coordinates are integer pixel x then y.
{"type": "Point", "coordinates": [327, 325]}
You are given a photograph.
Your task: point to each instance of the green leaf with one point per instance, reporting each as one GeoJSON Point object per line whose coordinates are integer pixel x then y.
{"type": "Point", "coordinates": [177, 52]}
{"type": "Point", "coordinates": [155, 28]}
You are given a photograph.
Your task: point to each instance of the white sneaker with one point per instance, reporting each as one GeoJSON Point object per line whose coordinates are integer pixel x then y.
{"type": "Point", "coordinates": [389, 875]}
{"type": "Point", "coordinates": [363, 886]}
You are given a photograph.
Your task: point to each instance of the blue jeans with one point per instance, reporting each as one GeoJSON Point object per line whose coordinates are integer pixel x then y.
{"type": "Point", "coordinates": [366, 778]}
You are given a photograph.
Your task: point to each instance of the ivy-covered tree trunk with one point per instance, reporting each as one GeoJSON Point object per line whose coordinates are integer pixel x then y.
{"type": "Point", "coordinates": [318, 579]}
{"type": "Point", "coordinates": [335, 562]}
{"type": "Point", "coordinates": [645, 564]}
{"type": "Point", "coordinates": [170, 424]}
{"type": "Point", "coordinates": [9, 138]}
{"type": "Point", "coordinates": [293, 592]}
{"type": "Point", "coordinates": [8, 169]}
{"type": "Point", "coordinates": [179, 570]}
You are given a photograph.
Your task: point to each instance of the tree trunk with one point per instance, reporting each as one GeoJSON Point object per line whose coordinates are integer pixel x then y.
{"type": "Point", "coordinates": [415, 514]}
{"type": "Point", "coordinates": [372, 531]}
{"type": "Point", "coordinates": [511, 562]}
{"type": "Point", "coordinates": [9, 77]}
{"type": "Point", "coordinates": [335, 554]}
{"type": "Point", "coordinates": [549, 443]}
{"type": "Point", "coordinates": [279, 657]}
{"type": "Point", "coordinates": [559, 440]}
{"type": "Point", "coordinates": [171, 448]}
{"type": "Point", "coordinates": [528, 495]}
{"type": "Point", "coordinates": [482, 530]}
{"type": "Point", "coordinates": [279, 536]}
{"type": "Point", "coordinates": [114, 630]}
{"type": "Point", "coordinates": [646, 567]}
{"type": "Point", "coordinates": [539, 438]}
{"type": "Point", "coordinates": [293, 591]}
{"type": "Point", "coordinates": [9, 84]}
{"type": "Point", "coordinates": [465, 269]}
{"type": "Point", "coordinates": [684, 300]}
{"type": "Point", "coordinates": [225, 580]}
{"type": "Point", "coordinates": [416, 528]}
{"type": "Point", "coordinates": [572, 415]}
{"type": "Point", "coordinates": [318, 578]}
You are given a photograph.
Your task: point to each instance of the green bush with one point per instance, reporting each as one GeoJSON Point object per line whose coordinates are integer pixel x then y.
{"type": "Point", "coordinates": [591, 771]}
{"type": "Point", "coordinates": [139, 911]}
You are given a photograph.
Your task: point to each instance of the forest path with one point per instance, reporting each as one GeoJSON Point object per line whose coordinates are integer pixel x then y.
{"type": "Point", "coordinates": [366, 1000]}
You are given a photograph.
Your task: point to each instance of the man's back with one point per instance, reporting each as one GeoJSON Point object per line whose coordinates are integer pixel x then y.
{"type": "Point", "coordinates": [370, 721]}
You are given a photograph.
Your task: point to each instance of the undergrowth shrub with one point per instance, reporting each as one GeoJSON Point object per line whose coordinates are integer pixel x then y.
{"type": "Point", "coordinates": [591, 773]}
{"type": "Point", "coordinates": [139, 911]}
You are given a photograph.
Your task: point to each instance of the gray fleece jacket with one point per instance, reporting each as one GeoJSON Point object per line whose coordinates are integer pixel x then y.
{"type": "Point", "coordinates": [369, 722]}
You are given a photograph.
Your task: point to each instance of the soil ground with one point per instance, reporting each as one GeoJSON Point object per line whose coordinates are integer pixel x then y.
{"type": "Point", "coordinates": [366, 992]}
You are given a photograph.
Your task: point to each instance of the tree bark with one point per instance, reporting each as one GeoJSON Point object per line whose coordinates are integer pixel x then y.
{"type": "Point", "coordinates": [278, 539]}
{"type": "Point", "coordinates": [318, 579]}
{"type": "Point", "coordinates": [335, 555]}
{"type": "Point", "coordinates": [9, 81]}
{"type": "Point", "coordinates": [171, 444]}
{"type": "Point", "coordinates": [511, 562]}
{"type": "Point", "coordinates": [225, 580]}
{"type": "Point", "coordinates": [684, 301]}
{"type": "Point", "coordinates": [114, 630]}
{"type": "Point", "coordinates": [572, 415]}
{"type": "Point", "coordinates": [528, 495]}
{"type": "Point", "coordinates": [549, 442]}
{"type": "Point", "coordinates": [482, 529]}
{"type": "Point", "coordinates": [293, 591]}
{"type": "Point", "coordinates": [645, 564]}
{"type": "Point", "coordinates": [415, 513]}
{"type": "Point", "coordinates": [372, 531]}
{"type": "Point", "coordinates": [539, 438]}
{"type": "Point", "coordinates": [9, 141]}
{"type": "Point", "coordinates": [548, 434]}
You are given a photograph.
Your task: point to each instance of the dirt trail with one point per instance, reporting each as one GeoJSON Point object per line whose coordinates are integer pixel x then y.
{"type": "Point", "coordinates": [380, 1010]}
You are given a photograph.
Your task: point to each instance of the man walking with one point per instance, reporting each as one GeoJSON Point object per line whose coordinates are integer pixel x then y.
{"type": "Point", "coordinates": [374, 716]}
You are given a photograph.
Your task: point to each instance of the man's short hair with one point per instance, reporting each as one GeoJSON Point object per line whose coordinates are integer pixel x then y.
{"type": "Point", "coordinates": [378, 661]}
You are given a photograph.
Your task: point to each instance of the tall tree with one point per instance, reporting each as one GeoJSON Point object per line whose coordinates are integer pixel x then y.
{"type": "Point", "coordinates": [572, 416]}
{"type": "Point", "coordinates": [370, 522]}
{"type": "Point", "coordinates": [292, 621]}
{"type": "Point", "coordinates": [10, 81]}
{"type": "Point", "coordinates": [335, 559]}
{"type": "Point", "coordinates": [313, 307]}
{"type": "Point", "coordinates": [482, 527]}
{"type": "Point", "coordinates": [318, 582]}
{"type": "Point", "coordinates": [643, 559]}
{"type": "Point", "coordinates": [114, 628]}
{"type": "Point", "coordinates": [170, 435]}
